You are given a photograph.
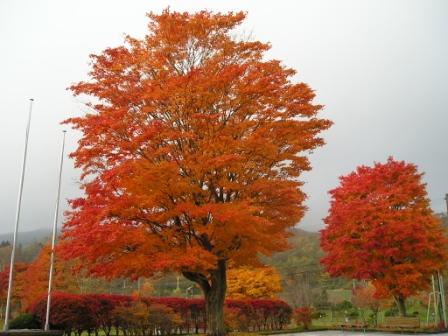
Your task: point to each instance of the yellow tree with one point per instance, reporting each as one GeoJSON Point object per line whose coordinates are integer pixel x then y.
{"type": "Point", "coordinates": [255, 283]}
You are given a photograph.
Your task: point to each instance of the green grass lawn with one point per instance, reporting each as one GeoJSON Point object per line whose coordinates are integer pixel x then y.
{"type": "Point", "coordinates": [336, 317]}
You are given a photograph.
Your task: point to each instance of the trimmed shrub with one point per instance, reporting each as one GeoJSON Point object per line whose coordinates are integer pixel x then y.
{"type": "Point", "coordinates": [353, 313]}
{"type": "Point", "coordinates": [25, 321]}
{"type": "Point", "coordinates": [391, 312]}
{"type": "Point", "coordinates": [69, 312]}
{"type": "Point", "coordinates": [92, 313]}
{"type": "Point", "coordinates": [344, 305]}
{"type": "Point", "coordinates": [163, 319]}
{"type": "Point", "coordinates": [132, 318]}
{"type": "Point", "coordinates": [104, 316]}
{"type": "Point", "coordinates": [236, 320]}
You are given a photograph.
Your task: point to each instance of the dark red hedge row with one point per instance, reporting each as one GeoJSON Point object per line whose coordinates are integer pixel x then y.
{"type": "Point", "coordinates": [94, 312]}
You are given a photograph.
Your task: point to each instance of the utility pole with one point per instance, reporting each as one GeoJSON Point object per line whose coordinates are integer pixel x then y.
{"type": "Point", "coordinates": [436, 301]}
{"type": "Point", "coordinates": [442, 298]}
{"type": "Point", "coordinates": [16, 227]}
{"type": "Point", "coordinates": [441, 284]}
{"type": "Point", "coordinates": [53, 240]}
{"type": "Point", "coordinates": [446, 200]}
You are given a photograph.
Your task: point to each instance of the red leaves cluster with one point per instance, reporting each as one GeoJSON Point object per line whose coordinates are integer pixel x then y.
{"type": "Point", "coordinates": [20, 283]}
{"type": "Point", "coordinates": [69, 312]}
{"type": "Point", "coordinates": [4, 282]}
{"type": "Point", "coordinates": [262, 314]}
{"type": "Point", "coordinates": [92, 312]}
{"type": "Point", "coordinates": [192, 311]}
{"type": "Point", "coordinates": [192, 151]}
{"type": "Point", "coordinates": [303, 316]}
{"type": "Point", "coordinates": [380, 228]}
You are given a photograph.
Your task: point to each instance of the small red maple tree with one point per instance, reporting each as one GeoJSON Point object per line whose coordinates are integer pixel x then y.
{"type": "Point", "coordinates": [18, 288]}
{"type": "Point", "coordinates": [191, 154]}
{"type": "Point", "coordinates": [380, 228]}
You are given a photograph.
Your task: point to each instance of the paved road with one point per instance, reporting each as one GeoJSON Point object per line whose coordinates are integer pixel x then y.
{"type": "Point", "coordinates": [349, 333]}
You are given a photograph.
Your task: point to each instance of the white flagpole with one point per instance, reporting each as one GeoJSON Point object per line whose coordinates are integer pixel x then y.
{"type": "Point", "coordinates": [16, 227]}
{"type": "Point", "coordinates": [53, 240]}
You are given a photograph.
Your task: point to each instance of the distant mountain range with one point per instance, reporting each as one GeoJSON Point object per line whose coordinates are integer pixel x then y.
{"type": "Point", "coordinates": [27, 237]}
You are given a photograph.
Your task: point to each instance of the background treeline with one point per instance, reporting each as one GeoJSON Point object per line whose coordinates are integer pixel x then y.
{"type": "Point", "coordinates": [303, 281]}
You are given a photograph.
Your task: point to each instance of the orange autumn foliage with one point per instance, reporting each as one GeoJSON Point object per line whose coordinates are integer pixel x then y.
{"type": "Point", "coordinates": [35, 277]}
{"type": "Point", "coordinates": [380, 228]}
{"type": "Point", "coordinates": [191, 153]}
{"type": "Point", "coordinates": [145, 289]}
{"type": "Point", "coordinates": [365, 296]}
{"type": "Point", "coordinates": [254, 283]}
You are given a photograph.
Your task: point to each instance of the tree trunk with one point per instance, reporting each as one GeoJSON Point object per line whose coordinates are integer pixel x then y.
{"type": "Point", "coordinates": [215, 294]}
{"type": "Point", "coordinates": [401, 306]}
{"type": "Point", "coordinates": [214, 289]}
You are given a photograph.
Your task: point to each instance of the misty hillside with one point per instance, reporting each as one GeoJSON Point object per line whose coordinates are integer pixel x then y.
{"type": "Point", "coordinates": [444, 218]}
{"type": "Point", "coordinates": [28, 237]}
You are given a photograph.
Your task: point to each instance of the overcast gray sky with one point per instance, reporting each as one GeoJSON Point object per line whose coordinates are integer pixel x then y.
{"type": "Point", "coordinates": [379, 67]}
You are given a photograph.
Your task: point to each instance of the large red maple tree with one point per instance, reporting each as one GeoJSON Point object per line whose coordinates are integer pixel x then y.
{"type": "Point", "coordinates": [191, 154]}
{"type": "Point", "coordinates": [380, 227]}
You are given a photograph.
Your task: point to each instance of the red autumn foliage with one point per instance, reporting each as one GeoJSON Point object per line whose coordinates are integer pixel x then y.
{"type": "Point", "coordinates": [104, 310]}
{"type": "Point", "coordinates": [380, 228]}
{"type": "Point", "coordinates": [191, 154]}
{"type": "Point", "coordinates": [19, 284]}
{"type": "Point", "coordinates": [69, 312]}
{"type": "Point", "coordinates": [235, 320]}
{"type": "Point", "coordinates": [264, 314]}
{"type": "Point", "coordinates": [192, 311]}
{"type": "Point", "coordinates": [303, 316]}
{"type": "Point", "coordinates": [4, 283]}
{"type": "Point", "coordinates": [35, 277]}
{"type": "Point", "coordinates": [139, 318]}
{"type": "Point", "coordinates": [365, 297]}
{"type": "Point", "coordinates": [92, 312]}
